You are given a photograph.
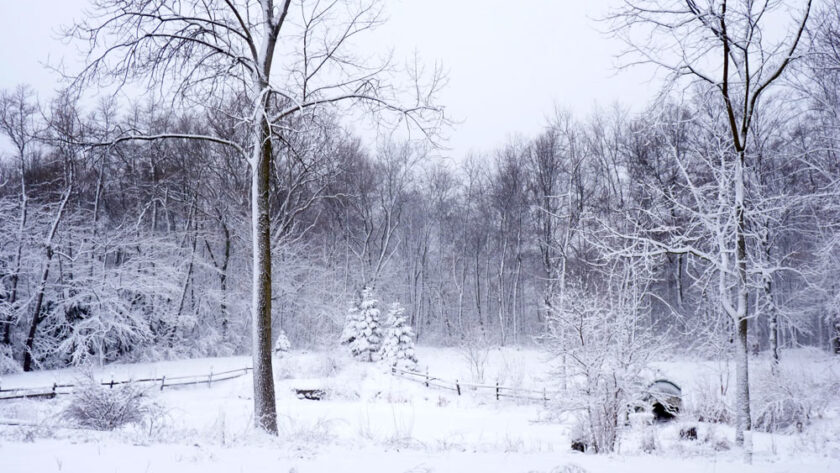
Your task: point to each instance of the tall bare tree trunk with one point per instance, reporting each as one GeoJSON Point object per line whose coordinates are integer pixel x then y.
{"type": "Point", "coordinates": [223, 305]}
{"type": "Point", "coordinates": [173, 335]}
{"type": "Point", "coordinates": [478, 288]}
{"type": "Point", "coordinates": [501, 293]}
{"type": "Point", "coordinates": [774, 324]}
{"type": "Point", "coordinates": [742, 393]}
{"type": "Point", "coordinates": [265, 410]}
{"type": "Point", "coordinates": [42, 284]}
{"type": "Point", "coordinates": [7, 328]}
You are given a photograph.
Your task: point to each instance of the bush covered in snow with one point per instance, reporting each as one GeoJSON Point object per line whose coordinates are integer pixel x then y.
{"type": "Point", "coordinates": [398, 345]}
{"type": "Point", "coordinates": [8, 364]}
{"type": "Point", "coordinates": [707, 398]}
{"type": "Point", "coordinates": [363, 331]}
{"type": "Point", "coordinates": [601, 352]}
{"type": "Point", "coordinates": [791, 398]}
{"type": "Point", "coordinates": [475, 348]}
{"type": "Point", "coordinates": [99, 407]}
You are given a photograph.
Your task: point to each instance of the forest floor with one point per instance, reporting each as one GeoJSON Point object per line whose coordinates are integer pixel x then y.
{"type": "Point", "coordinates": [373, 421]}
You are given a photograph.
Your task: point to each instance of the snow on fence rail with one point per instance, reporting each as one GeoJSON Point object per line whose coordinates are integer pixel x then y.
{"type": "Point", "coordinates": [455, 385]}
{"type": "Point", "coordinates": [50, 392]}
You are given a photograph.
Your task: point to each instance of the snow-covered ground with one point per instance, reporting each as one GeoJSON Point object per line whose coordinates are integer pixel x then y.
{"type": "Point", "coordinates": [373, 421]}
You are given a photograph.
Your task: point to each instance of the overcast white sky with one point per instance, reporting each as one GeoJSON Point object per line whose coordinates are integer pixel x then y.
{"type": "Point", "coordinates": [508, 62]}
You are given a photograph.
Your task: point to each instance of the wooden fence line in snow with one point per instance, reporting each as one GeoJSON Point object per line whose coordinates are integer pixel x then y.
{"type": "Point", "coordinates": [429, 381]}
{"type": "Point", "coordinates": [57, 389]}
{"type": "Point", "coordinates": [456, 385]}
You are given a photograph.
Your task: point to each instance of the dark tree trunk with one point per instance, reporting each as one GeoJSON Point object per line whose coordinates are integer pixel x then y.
{"type": "Point", "coordinates": [265, 410]}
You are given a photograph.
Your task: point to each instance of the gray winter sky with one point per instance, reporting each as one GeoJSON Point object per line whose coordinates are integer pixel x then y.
{"type": "Point", "coordinates": [508, 63]}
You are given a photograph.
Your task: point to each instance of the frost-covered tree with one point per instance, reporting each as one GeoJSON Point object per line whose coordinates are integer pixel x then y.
{"type": "Point", "coordinates": [18, 112]}
{"type": "Point", "coordinates": [363, 330]}
{"type": "Point", "coordinates": [603, 350]}
{"type": "Point", "coordinates": [720, 46]}
{"type": "Point", "coordinates": [196, 51]}
{"type": "Point", "coordinates": [398, 345]}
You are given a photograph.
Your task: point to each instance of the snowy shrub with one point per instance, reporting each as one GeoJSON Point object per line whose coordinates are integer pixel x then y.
{"type": "Point", "coordinates": [790, 399]}
{"type": "Point", "coordinates": [717, 441]}
{"type": "Point", "coordinates": [99, 407]}
{"type": "Point", "coordinates": [475, 349]}
{"type": "Point", "coordinates": [362, 332]}
{"type": "Point", "coordinates": [402, 418]}
{"type": "Point", "coordinates": [648, 444]}
{"type": "Point", "coordinates": [512, 371]}
{"type": "Point", "coordinates": [602, 353]}
{"type": "Point", "coordinates": [329, 365]}
{"type": "Point", "coordinates": [708, 401]}
{"type": "Point", "coordinates": [398, 345]}
{"type": "Point", "coordinates": [282, 345]}
{"type": "Point", "coordinates": [303, 431]}
{"type": "Point", "coordinates": [708, 398]}
{"type": "Point", "coordinates": [8, 364]}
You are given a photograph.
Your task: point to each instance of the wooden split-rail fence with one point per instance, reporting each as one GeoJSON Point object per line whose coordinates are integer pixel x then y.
{"type": "Point", "coordinates": [56, 389]}
{"type": "Point", "coordinates": [496, 390]}
{"type": "Point", "coordinates": [458, 386]}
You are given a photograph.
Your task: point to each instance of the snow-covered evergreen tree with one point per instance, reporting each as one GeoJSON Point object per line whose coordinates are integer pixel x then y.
{"type": "Point", "coordinates": [282, 345]}
{"type": "Point", "coordinates": [363, 331]}
{"type": "Point", "coordinates": [398, 345]}
{"type": "Point", "coordinates": [351, 323]}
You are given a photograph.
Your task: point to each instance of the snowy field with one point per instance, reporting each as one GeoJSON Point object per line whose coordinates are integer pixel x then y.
{"type": "Point", "coordinates": [373, 421]}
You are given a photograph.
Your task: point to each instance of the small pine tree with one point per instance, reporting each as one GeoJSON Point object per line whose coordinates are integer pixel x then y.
{"type": "Point", "coordinates": [398, 346]}
{"type": "Point", "coordinates": [282, 345]}
{"type": "Point", "coordinates": [363, 332]}
{"type": "Point", "coordinates": [354, 318]}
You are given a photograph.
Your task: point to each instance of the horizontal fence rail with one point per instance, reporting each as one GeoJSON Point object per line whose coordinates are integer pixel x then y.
{"type": "Point", "coordinates": [49, 392]}
{"type": "Point", "coordinates": [457, 386]}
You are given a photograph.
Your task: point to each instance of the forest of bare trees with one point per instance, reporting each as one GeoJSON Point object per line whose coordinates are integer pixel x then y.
{"type": "Point", "coordinates": [229, 202]}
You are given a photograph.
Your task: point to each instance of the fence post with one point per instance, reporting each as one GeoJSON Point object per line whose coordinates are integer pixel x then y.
{"type": "Point", "coordinates": [210, 378]}
{"type": "Point", "coordinates": [162, 381]}
{"type": "Point", "coordinates": [457, 387]}
{"type": "Point", "coordinates": [427, 376]}
{"type": "Point", "coordinates": [545, 396]}
{"type": "Point", "coordinates": [497, 390]}
{"type": "Point", "coordinates": [112, 382]}
{"type": "Point", "coordinates": [55, 385]}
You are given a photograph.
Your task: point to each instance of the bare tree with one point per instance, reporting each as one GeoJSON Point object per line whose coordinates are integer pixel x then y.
{"type": "Point", "coordinates": [557, 183]}
{"type": "Point", "coordinates": [197, 51]}
{"type": "Point", "coordinates": [723, 45]}
{"type": "Point", "coordinates": [64, 123]}
{"type": "Point", "coordinates": [18, 122]}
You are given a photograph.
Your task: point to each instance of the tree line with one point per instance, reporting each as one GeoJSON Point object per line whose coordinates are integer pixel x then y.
{"type": "Point", "coordinates": [137, 230]}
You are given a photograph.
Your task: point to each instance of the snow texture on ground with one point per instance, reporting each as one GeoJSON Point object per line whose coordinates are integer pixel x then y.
{"type": "Point", "coordinates": [373, 421]}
